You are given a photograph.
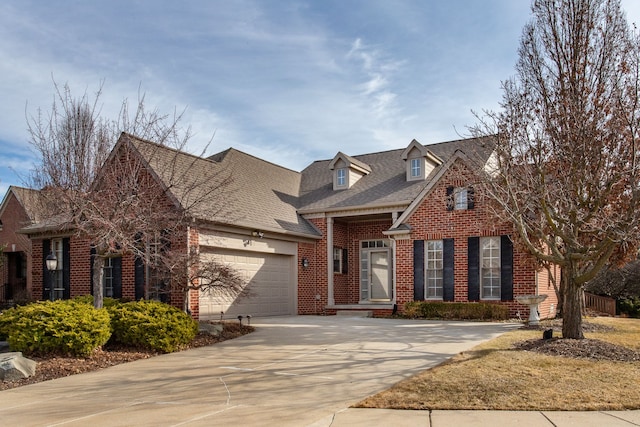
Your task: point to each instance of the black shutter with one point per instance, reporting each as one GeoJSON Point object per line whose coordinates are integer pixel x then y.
{"type": "Point", "coordinates": [473, 270]}
{"type": "Point", "coordinates": [447, 272]}
{"type": "Point", "coordinates": [345, 262]}
{"type": "Point", "coordinates": [116, 264]}
{"type": "Point", "coordinates": [46, 274]}
{"type": "Point", "coordinates": [66, 268]}
{"type": "Point", "coordinates": [450, 202]}
{"type": "Point", "coordinates": [418, 270]}
{"type": "Point", "coordinates": [471, 198]}
{"type": "Point", "coordinates": [139, 278]}
{"type": "Point", "coordinates": [506, 268]}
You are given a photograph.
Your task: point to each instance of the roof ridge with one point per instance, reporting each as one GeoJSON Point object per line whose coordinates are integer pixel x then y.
{"type": "Point", "coordinates": [231, 149]}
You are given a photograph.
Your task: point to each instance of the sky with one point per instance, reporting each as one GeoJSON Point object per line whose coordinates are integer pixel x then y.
{"type": "Point", "coordinates": [288, 81]}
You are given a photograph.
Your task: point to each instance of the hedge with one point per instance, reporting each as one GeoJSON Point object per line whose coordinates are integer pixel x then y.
{"type": "Point", "coordinates": [456, 310]}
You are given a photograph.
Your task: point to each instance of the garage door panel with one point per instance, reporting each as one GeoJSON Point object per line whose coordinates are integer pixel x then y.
{"type": "Point", "coordinates": [269, 281]}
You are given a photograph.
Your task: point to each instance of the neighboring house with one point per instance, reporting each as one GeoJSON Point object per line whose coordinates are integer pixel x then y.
{"type": "Point", "coordinates": [368, 232]}
{"type": "Point", "coordinates": [18, 209]}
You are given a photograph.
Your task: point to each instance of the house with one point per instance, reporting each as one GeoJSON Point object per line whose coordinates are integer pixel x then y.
{"type": "Point", "coordinates": [366, 232]}
{"type": "Point", "coordinates": [17, 210]}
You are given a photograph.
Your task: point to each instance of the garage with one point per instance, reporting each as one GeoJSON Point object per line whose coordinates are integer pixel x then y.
{"type": "Point", "coordinates": [269, 278]}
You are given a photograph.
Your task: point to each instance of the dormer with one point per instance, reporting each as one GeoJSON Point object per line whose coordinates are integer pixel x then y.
{"type": "Point", "coordinates": [347, 171]}
{"type": "Point", "coordinates": [420, 161]}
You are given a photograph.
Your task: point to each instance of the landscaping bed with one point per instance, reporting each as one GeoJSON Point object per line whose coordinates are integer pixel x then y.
{"type": "Point", "coordinates": [52, 367]}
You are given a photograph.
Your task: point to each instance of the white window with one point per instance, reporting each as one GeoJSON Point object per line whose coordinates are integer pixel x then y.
{"type": "Point", "coordinates": [460, 198]}
{"type": "Point", "coordinates": [337, 260]}
{"type": "Point", "coordinates": [57, 277]}
{"type": "Point", "coordinates": [341, 177]}
{"type": "Point", "coordinates": [490, 267]}
{"type": "Point", "coordinates": [107, 278]}
{"type": "Point", "coordinates": [434, 270]}
{"type": "Point", "coordinates": [416, 170]}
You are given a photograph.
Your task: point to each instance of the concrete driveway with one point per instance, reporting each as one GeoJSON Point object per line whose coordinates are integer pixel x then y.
{"type": "Point", "coordinates": [293, 371]}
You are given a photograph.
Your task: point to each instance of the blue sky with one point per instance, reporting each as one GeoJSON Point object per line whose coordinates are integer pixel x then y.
{"type": "Point", "coordinates": [287, 81]}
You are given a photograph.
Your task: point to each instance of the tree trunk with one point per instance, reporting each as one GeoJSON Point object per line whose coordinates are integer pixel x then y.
{"type": "Point", "coordinates": [571, 308]}
{"type": "Point", "coordinates": [97, 278]}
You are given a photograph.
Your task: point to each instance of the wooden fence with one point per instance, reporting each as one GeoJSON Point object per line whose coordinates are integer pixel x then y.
{"type": "Point", "coordinates": [600, 304]}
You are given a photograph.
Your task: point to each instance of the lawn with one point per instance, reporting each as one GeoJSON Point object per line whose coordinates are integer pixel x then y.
{"type": "Point", "coordinates": [496, 376]}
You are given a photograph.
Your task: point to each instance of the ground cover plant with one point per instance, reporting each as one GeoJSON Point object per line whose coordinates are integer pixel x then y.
{"type": "Point", "coordinates": [521, 371]}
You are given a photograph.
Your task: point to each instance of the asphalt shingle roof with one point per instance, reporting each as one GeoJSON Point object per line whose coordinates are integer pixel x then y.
{"type": "Point", "coordinates": [230, 187]}
{"type": "Point", "coordinates": [385, 185]}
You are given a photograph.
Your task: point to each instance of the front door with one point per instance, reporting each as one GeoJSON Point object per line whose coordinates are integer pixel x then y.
{"type": "Point", "coordinates": [380, 275]}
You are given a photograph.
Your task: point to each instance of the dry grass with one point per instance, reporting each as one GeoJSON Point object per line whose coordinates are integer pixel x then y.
{"type": "Point", "coordinates": [496, 376]}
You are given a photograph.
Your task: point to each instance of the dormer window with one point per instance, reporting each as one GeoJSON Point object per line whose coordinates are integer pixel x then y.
{"type": "Point", "coordinates": [420, 161]}
{"type": "Point", "coordinates": [347, 171]}
{"type": "Point", "coordinates": [416, 168]}
{"type": "Point", "coordinates": [341, 177]}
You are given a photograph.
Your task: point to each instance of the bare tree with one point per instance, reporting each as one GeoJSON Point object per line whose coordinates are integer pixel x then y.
{"type": "Point", "coordinates": [138, 197]}
{"type": "Point", "coordinates": [566, 171]}
{"type": "Point", "coordinates": [189, 271]}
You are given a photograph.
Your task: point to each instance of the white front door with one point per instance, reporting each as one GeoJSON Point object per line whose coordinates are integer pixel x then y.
{"type": "Point", "coordinates": [380, 275]}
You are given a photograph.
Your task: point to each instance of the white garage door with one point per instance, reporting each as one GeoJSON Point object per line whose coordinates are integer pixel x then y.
{"type": "Point", "coordinates": [269, 279]}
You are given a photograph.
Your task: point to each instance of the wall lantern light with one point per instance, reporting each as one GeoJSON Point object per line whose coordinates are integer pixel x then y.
{"type": "Point", "coordinates": [305, 262]}
{"type": "Point", "coordinates": [52, 262]}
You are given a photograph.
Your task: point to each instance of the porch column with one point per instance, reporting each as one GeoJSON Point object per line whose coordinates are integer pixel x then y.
{"type": "Point", "coordinates": [330, 299]}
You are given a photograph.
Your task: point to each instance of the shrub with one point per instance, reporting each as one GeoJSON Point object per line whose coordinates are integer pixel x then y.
{"type": "Point", "coordinates": [628, 306]}
{"type": "Point", "coordinates": [456, 310]}
{"type": "Point", "coordinates": [152, 325]}
{"type": "Point", "coordinates": [65, 327]}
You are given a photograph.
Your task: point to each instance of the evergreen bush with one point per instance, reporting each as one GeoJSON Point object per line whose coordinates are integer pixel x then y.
{"type": "Point", "coordinates": [65, 327]}
{"type": "Point", "coordinates": [151, 325]}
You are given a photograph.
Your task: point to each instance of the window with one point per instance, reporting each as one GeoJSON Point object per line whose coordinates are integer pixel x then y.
{"type": "Point", "coordinates": [337, 260]}
{"type": "Point", "coordinates": [460, 198]}
{"type": "Point", "coordinates": [416, 170]}
{"type": "Point", "coordinates": [490, 267]}
{"type": "Point", "coordinates": [56, 275]}
{"type": "Point", "coordinates": [21, 265]}
{"type": "Point", "coordinates": [341, 177]}
{"type": "Point", "coordinates": [434, 269]}
{"type": "Point", "coordinates": [158, 274]}
{"type": "Point", "coordinates": [107, 278]}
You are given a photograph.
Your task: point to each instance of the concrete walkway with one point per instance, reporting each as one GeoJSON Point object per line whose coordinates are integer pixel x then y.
{"type": "Point", "coordinates": [294, 371]}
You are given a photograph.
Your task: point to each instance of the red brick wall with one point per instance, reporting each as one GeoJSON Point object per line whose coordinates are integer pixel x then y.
{"type": "Point", "coordinates": [80, 267]}
{"type": "Point", "coordinates": [432, 221]}
{"type": "Point", "coordinates": [14, 218]}
{"type": "Point", "coordinates": [312, 281]}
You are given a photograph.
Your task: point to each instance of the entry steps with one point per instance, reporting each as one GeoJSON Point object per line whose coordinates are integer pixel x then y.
{"type": "Point", "coordinates": [355, 313]}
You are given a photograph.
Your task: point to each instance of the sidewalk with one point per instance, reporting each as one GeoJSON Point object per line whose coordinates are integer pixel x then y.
{"type": "Point", "coordinates": [387, 417]}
